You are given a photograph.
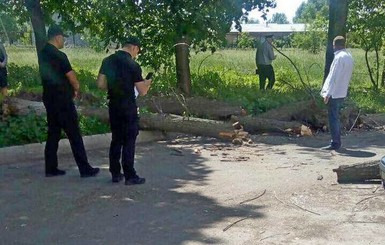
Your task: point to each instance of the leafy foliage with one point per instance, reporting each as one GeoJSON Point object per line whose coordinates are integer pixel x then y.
{"type": "Point", "coordinates": [366, 22]}
{"type": "Point", "coordinates": [159, 23]}
{"type": "Point", "coordinates": [315, 15]}
{"type": "Point", "coordinates": [308, 11]}
{"type": "Point", "coordinates": [22, 130]}
{"type": "Point", "coordinates": [12, 30]}
{"type": "Point", "coordinates": [279, 18]}
{"type": "Point", "coordinates": [245, 41]}
{"type": "Point", "coordinates": [33, 129]}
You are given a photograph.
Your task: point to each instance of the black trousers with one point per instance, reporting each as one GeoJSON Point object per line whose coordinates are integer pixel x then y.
{"type": "Point", "coordinates": [3, 78]}
{"type": "Point", "coordinates": [62, 114]}
{"type": "Point", "coordinates": [124, 129]}
{"type": "Point", "coordinates": [266, 71]}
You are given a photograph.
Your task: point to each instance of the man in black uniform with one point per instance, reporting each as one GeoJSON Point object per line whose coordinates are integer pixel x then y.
{"type": "Point", "coordinates": [60, 86]}
{"type": "Point", "coordinates": [120, 74]}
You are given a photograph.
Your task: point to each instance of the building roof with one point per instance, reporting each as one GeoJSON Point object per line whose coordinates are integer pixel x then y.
{"type": "Point", "coordinates": [270, 28]}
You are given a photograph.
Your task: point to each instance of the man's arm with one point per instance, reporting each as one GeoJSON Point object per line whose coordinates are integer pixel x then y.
{"type": "Point", "coordinates": [101, 82]}
{"type": "Point", "coordinates": [329, 84]}
{"type": "Point", "coordinates": [143, 86]}
{"type": "Point", "coordinates": [270, 52]}
{"type": "Point", "coordinates": [74, 82]}
{"type": "Point", "coordinates": [2, 50]}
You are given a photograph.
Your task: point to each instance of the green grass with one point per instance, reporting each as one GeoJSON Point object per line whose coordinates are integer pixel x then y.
{"type": "Point", "coordinates": [237, 82]}
{"type": "Point", "coordinates": [226, 75]}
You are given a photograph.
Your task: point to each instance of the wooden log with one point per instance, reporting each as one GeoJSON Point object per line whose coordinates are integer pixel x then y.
{"type": "Point", "coordinates": [259, 125]}
{"type": "Point", "coordinates": [174, 123]}
{"type": "Point", "coordinates": [358, 172]}
{"type": "Point", "coordinates": [16, 106]}
{"type": "Point", "coordinates": [312, 113]}
{"type": "Point", "coordinates": [203, 127]}
{"type": "Point", "coordinates": [373, 120]}
{"type": "Point", "coordinates": [195, 106]}
{"type": "Point", "coordinates": [297, 111]}
{"type": "Point", "coordinates": [171, 123]}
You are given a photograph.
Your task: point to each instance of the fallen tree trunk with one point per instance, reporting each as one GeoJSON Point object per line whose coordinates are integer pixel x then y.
{"type": "Point", "coordinates": [260, 125]}
{"type": "Point", "coordinates": [16, 106]}
{"type": "Point", "coordinates": [312, 113]}
{"type": "Point", "coordinates": [358, 172]}
{"type": "Point", "coordinates": [297, 111]}
{"type": "Point", "coordinates": [373, 120]}
{"type": "Point", "coordinates": [168, 122]}
{"type": "Point", "coordinates": [197, 126]}
{"type": "Point", "coordinates": [194, 106]}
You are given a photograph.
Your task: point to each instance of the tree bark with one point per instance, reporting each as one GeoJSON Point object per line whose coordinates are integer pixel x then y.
{"type": "Point", "coordinates": [169, 122]}
{"type": "Point", "coordinates": [260, 125]}
{"type": "Point", "coordinates": [183, 66]}
{"type": "Point", "coordinates": [298, 111]}
{"type": "Point", "coordinates": [338, 12]}
{"type": "Point", "coordinates": [20, 107]}
{"type": "Point", "coordinates": [197, 106]}
{"type": "Point", "coordinates": [37, 19]}
{"type": "Point", "coordinates": [358, 172]}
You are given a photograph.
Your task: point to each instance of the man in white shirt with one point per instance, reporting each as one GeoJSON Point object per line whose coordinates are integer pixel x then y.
{"type": "Point", "coordinates": [335, 89]}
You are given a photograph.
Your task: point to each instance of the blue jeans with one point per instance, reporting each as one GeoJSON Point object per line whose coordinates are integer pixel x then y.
{"type": "Point", "coordinates": [334, 107]}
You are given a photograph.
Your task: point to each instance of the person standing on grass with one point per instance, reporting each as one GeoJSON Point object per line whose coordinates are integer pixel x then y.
{"type": "Point", "coordinates": [121, 75]}
{"type": "Point", "coordinates": [60, 87]}
{"type": "Point", "coordinates": [263, 59]}
{"type": "Point", "coordinates": [3, 70]}
{"type": "Point", "coordinates": [335, 89]}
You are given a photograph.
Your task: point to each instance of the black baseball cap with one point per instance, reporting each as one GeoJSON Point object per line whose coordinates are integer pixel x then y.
{"type": "Point", "coordinates": [55, 30]}
{"type": "Point", "coordinates": [133, 40]}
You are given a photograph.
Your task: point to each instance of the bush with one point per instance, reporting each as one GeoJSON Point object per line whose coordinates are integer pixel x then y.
{"type": "Point", "coordinates": [245, 41]}
{"type": "Point", "coordinates": [23, 130]}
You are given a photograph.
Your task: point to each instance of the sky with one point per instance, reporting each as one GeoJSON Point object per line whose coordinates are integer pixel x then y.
{"type": "Point", "coordinates": [288, 7]}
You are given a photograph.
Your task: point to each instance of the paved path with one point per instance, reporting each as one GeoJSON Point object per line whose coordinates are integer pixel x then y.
{"type": "Point", "coordinates": [198, 191]}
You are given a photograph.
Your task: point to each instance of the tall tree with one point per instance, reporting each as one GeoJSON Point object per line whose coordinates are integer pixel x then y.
{"type": "Point", "coordinates": [37, 19]}
{"type": "Point", "coordinates": [279, 18]}
{"type": "Point", "coordinates": [10, 29]}
{"type": "Point", "coordinates": [338, 11]}
{"type": "Point", "coordinates": [308, 11]}
{"type": "Point", "coordinates": [366, 26]}
{"type": "Point", "coordinates": [167, 28]}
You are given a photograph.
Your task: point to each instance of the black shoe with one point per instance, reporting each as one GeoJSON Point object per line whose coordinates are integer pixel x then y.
{"type": "Point", "coordinates": [56, 172]}
{"type": "Point", "coordinates": [117, 178]}
{"type": "Point", "coordinates": [135, 181]}
{"type": "Point", "coordinates": [330, 148]}
{"type": "Point", "coordinates": [91, 172]}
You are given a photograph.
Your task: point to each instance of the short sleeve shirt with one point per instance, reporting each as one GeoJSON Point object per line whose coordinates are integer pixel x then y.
{"type": "Point", "coordinates": [122, 73]}
{"type": "Point", "coordinates": [3, 56]}
{"type": "Point", "coordinates": [53, 67]}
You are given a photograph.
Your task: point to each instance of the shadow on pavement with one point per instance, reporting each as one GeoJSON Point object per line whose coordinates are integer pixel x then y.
{"type": "Point", "coordinates": [171, 208]}
{"type": "Point", "coordinates": [356, 153]}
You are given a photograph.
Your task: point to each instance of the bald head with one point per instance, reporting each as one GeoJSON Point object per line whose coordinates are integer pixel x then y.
{"type": "Point", "coordinates": [339, 42]}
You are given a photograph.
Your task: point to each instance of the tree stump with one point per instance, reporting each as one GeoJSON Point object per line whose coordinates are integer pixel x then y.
{"type": "Point", "coordinates": [360, 172]}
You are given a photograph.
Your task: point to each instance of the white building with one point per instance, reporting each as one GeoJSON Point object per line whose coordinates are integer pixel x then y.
{"type": "Point", "coordinates": [260, 30]}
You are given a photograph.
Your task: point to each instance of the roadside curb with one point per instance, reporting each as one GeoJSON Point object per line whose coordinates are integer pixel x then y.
{"type": "Point", "coordinates": [21, 153]}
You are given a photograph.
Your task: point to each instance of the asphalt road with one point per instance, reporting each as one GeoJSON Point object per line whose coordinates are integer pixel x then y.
{"type": "Point", "coordinates": [198, 191]}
